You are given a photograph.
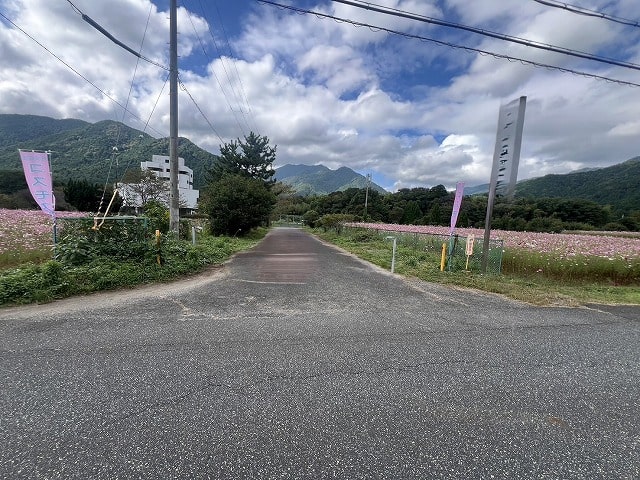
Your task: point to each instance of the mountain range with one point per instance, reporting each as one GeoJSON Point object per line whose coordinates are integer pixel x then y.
{"type": "Point", "coordinates": [320, 180]}
{"type": "Point", "coordinates": [101, 152]}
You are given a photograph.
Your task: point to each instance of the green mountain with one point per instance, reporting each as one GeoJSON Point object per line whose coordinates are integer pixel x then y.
{"type": "Point", "coordinates": [97, 152]}
{"type": "Point", "coordinates": [320, 180]}
{"type": "Point", "coordinates": [616, 186]}
{"type": "Point", "coordinates": [15, 129]}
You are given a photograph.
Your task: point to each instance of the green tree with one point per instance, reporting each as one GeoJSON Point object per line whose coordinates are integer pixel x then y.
{"type": "Point", "coordinates": [251, 158]}
{"type": "Point", "coordinates": [412, 213]}
{"type": "Point", "coordinates": [236, 204]}
{"type": "Point", "coordinates": [12, 181]}
{"type": "Point", "coordinates": [83, 195]}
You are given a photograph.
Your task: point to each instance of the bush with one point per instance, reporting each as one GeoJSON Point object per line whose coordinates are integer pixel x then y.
{"type": "Point", "coordinates": [236, 204]}
{"type": "Point", "coordinates": [334, 221]}
{"type": "Point", "coordinates": [82, 242]}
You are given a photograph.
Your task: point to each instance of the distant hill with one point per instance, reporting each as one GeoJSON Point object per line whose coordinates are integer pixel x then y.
{"type": "Point", "coordinates": [15, 129]}
{"type": "Point", "coordinates": [97, 152]}
{"type": "Point", "coordinates": [616, 186]}
{"type": "Point", "coordinates": [320, 180]}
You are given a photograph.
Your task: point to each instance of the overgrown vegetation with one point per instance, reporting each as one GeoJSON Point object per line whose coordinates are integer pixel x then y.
{"type": "Point", "coordinates": [119, 254]}
{"type": "Point", "coordinates": [527, 276]}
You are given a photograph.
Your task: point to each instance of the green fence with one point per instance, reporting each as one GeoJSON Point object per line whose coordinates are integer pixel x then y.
{"type": "Point", "coordinates": [456, 248]}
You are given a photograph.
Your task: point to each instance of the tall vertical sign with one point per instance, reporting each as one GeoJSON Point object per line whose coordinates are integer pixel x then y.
{"type": "Point", "coordinates": [506, 157]}
{"type": "Point", "coordinates": [38, 176]}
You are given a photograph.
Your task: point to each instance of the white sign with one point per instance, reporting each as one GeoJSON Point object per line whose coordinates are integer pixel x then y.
{"type": "Point", "coordinates": [469, 247]}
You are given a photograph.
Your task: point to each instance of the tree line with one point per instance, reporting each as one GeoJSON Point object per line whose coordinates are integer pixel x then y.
{"type": "Point", "coordinates": [433, 206]}
{"type": "Point", "coordinates": [241, 194]}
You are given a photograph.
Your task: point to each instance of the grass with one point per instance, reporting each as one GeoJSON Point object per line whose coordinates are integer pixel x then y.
{"type": "Point", "coordinates": [528, 276]}
{"type": "Point", "coordinates": [20, 257]}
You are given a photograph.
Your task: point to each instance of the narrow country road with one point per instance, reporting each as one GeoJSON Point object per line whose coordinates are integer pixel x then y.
{"type": "Point", "coordinates": [298, 361]}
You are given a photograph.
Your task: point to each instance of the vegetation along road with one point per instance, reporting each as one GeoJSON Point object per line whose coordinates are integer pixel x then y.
{"type": "Point", "coordinates": [297, 360]}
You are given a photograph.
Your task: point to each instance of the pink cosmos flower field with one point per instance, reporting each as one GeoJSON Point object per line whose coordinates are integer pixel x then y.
{"type": "Point", "coordinates": [561, 245]}
{"type": "Point", "coordinates": [28, 230]}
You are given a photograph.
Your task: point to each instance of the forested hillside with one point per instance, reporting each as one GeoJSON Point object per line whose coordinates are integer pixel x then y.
{"type": "Point", "coordinates": [99, 152]}
{"type": "Point", "coordinates": [616, 186]}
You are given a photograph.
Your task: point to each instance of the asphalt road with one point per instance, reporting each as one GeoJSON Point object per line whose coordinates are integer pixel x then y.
{"type": "Point", "coordinates": [296, 361]}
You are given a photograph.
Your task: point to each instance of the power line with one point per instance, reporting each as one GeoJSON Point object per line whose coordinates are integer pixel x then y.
{"type": "Point", "coordinates": [183, 86]}
{"type": "Point", "coordinates": [588, 13]}
{"type": "Point", "coordinates": [521, 41]}
{"type": "Point", "coordinates": [216, 76]}
{"type": "Point", "coordinates": [76, 72]}
{"type": "Point", "coordinates": [240, 100]}
{"type": "Point", "coordinates": [301, 11]}
{"type": "Point", "coordinates": [98, 27]}
{"type": "Point", "coordinates": [226, 37]}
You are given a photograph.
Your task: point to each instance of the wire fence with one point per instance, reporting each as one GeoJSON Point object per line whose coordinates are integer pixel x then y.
{"type": "Point", "coordinates": [461, 252]}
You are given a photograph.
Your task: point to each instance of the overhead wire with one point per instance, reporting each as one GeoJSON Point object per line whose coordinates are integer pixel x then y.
{"type": "Point", "coordinates": [244, 97]}
{"type": "Point", "coordinates": [216, 76]}
{"type": "Point", "coordinates": [115, 152]}
{"type": "Point", "coordinates": [480, 31]}
{"type": "Point", "coordinates": [184, 88]}
{"type": "Point", "coordinates": [589, 13]}
{"type": "Point", "coordinates": [102, 30]}
{"type": "Point", "coordinates": [510, 58]}
{"type": "Point", "coordinates": [75, 71]}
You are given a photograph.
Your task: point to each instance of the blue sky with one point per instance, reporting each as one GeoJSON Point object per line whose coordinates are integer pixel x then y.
{"type": "Point", "coordinates": [411, 112]}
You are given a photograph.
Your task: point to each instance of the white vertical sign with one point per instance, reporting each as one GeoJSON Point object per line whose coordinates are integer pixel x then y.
{"type": "Point", "coordinates": [506, 156]}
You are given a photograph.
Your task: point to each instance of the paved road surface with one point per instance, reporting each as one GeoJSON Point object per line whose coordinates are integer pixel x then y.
{"type": "Point", "coordinates": [298, 361]}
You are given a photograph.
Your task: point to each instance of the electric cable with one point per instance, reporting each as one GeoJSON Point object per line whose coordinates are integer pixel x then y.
{"type": "Point", "coordinates": [115, 152]}
{"type": "Point", "coordinates": [589, 13]}
{"type": "Point", "coordinates": [510, 58]}
{"type": "Point", "coordinates": [244, 96]}
{"type": "Point", "coordinates": [216, 76]}
{"type": "Point", "coordinates": [500, 36]}
{"type": "Point", "coordinates": [103, 31]}
{"type": "Point", "coordinates": [75, 71]}
{"type": "Point", "coordinates": [184, 88]}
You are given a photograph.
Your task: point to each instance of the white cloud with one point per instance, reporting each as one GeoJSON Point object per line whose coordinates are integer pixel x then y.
{"type": "Point", "coordinates": [331, 93]}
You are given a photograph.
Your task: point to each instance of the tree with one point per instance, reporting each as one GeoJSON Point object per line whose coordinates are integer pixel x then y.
{"type": "Point", "coordinates": [236, 204]}
{"type": "Point", "coordinates": [254, 159]}
{"type": "Point", "coordinates": [83, 195]}
{"type": "Point", "coordinates": [141, 187]}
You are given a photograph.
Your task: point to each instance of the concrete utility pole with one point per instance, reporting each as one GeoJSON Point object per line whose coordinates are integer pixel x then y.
{"type": "Point", "coordinates": [174, 195]}
{"type": "Point", "coordinates": [366, 196]}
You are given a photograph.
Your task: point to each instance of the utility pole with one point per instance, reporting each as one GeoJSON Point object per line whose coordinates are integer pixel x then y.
{"type": "Point", "coordinates": [174, 196]}
{"type": "Point", "coordinates": [366, 196]}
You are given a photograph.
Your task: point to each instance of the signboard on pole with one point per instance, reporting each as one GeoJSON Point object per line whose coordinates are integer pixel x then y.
{"type": "Point", "coordinates": [506, 155]}
{"type": "Point", "coordinates": [38, 176]}
{"type": "Point", "coordinates": [469, 246]}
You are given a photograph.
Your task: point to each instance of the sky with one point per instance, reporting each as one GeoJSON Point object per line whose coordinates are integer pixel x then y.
{"type": "Point", "coordinates": [409, 111]}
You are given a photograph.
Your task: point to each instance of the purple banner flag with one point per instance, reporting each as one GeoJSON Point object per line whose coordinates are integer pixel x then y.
{"type": "Point", "coordinates": [38, 176]}
{"type": "Point", "coordinates": [456, 206]}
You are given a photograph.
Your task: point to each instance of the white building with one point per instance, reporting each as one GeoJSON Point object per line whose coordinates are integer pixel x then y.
{"type": "Point", "coordinates": [159, 165]}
